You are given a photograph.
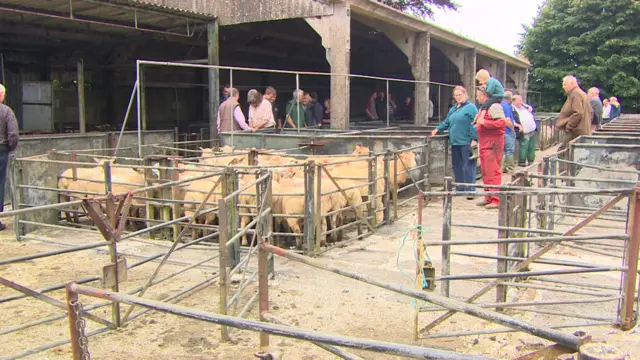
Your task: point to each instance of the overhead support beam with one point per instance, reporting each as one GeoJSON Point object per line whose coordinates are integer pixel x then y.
{"type": "Point", "coordinates": [233, 12]}
{"type": "Point", "coordinates": [392, 16]}
{"type": "Point", "coordinates": [469, 72]}
{"type": "Point", "coordinates": [519, 77]}
{"type": "Point", "coordinates": [335, 32]}
{"type": "Point", "coordinates": [213, 54]}
{"type": "Point", "coordinates": [81, 104]}
{"type": "Point", "coordinates": [420, 68]}
{"type": "Point", "coordinates": [453, 54]}
{"type": "Point", "coordinates": [400, 37]}
{"type": "Point", "coordinates": [525, 84]}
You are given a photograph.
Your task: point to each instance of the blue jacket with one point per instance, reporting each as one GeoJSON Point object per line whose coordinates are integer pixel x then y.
{"type": "Point", "coordinates": [459, 122]}
{"type": "Point", "coordinates": [508, 113]}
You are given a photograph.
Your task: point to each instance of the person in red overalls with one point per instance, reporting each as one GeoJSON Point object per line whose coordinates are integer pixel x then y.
{"type": "Point", "coordinates": [491, 128]}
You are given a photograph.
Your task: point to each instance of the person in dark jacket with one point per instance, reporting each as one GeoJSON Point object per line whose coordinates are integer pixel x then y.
{"type": "Point", "coordinates": [462, 136]}
{"type": "Point", "coordinates": [405, 111]}
{"type": "Point", "coordinates": [596, 106]}
{"type": "Point", "coordinates": [8, 143]}
{"type": "Point", "coordinates": [315, 110]}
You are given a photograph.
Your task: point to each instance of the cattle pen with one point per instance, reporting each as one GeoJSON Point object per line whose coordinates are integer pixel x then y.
{"type": "Point", "coordinates": [225, 234]}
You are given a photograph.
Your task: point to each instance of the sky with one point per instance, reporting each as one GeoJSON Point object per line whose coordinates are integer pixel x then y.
{"type": "Point", "coordinates": [497, 23]}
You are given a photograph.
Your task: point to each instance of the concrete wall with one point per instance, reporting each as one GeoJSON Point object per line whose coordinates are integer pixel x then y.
{"type": "Point", "coordinates": [615, 153]}
{"type": "Point", "coordinates": [37, 173]}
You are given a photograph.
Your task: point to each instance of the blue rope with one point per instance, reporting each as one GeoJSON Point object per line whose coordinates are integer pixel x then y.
{"type": "Point", "coordinates": [425, 284]}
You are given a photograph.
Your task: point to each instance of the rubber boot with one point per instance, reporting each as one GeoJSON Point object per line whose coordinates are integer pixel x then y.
{"type": "Point", "coordinates": [509, 164]}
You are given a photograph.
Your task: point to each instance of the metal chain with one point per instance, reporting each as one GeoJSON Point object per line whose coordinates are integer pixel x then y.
{"type": "Point", "coordinates": [80, 326]}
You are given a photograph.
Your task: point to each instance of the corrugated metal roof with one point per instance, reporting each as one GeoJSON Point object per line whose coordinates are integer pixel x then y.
{"type": "Point", "coordinates": [179, 7]}
{"type": "Point", "coordinates": [112, 16]}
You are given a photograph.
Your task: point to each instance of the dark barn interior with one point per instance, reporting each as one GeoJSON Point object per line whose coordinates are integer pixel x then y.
{"type": "Point", "coordinates": [48, 52]}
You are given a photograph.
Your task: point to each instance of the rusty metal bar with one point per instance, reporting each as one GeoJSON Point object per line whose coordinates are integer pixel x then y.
{"type": "Point", "coordinates": [447, 210]}
{"type": "Point", "coordinates": [173, 246]}
{"type": "Point", "coordinates": [523, 265]}
{"type": "Point", "coordinates": [507, 330]}
{"type": "Point", "coordinates": [535, 191]}
{"type": "Point", "coordinates": [473, 310]}
{"type": "Point", "coordinates": [532, 303]}
{"type": "Point", "coordinates": [526, 239]}
{"type": "Point", "coordinates": [419, 251]}
{"type": "Point", "coordinates": [627, 315]}
{"type": "Point", "coordinates": [501, 275]}
{"type": "Point", "coordinates": [74, 332]}
{"type": "Point", "coordinates": [332, 349]}
{"type": "Point", "coordinates": [503, 221]}
{"type": "Point", "coordinates": [223, 221]}
{"type": "Point", "coordinates": [50, 301]}
{"type": "Point", "coordinates": [263, 291]}
{"type": "Point", "coordinates": [539, 261]}
{"type": "Point", "coordinates": [52, 253]}
{"type": "Point", "coordinates": [415, 352]}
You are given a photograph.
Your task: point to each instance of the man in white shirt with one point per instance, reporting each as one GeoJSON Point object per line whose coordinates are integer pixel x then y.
{"type": "Point", "coordinates": [260, 111]}
{"type": "Point", "coordinates": [527, 144]}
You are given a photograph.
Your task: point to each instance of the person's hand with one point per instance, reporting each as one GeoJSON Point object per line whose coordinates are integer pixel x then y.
{"type": "Point", "coordinates": [519, 127]}
{"type": "Point", "coordinates": [480, 121]}
{"type": "Point", "coordinates": [253, 129]}
{"type": "Point", "coordinates": [474, 143]}
{"type": "Point", "coordinates": [434, 132]}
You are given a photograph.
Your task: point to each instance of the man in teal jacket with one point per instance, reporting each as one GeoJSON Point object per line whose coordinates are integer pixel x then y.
{"type": "Point", "coordinates": [462, 135]}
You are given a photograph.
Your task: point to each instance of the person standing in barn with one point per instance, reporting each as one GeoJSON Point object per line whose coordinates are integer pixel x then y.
{"type": "Point", "coordinates": [527, 149]}
{"type": "Point", "coordinates": [8, 143]}
{"type": "Point", "coordinates": [296, 112]}
{"type": "Point", "coordinates": [575, 115]}
{"type": "Point", "coordinates": [491, 129]}
{"type": "Point", "coordinates": [462, 136]}
{"type": "Point", "coordinates": [260, 111]}
{"type": "Point", "coordinates": [230, 116]}
{"type": "Point", "coordinates": [271, 94]}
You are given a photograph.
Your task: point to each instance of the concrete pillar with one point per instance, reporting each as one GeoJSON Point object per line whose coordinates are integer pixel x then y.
{"type": "Point", "coordinates": [81, 104]}
{"type": "Point", "coordinates": [339, 56]}
{"type": "Point", "coordinates": [469, 73]}
{"type": "Point", "coordinates": [501, 72]}
{"type": "Point", "coordinates": [524, 84]}
{"type": "Point", "coordinates": [520, 77]}
{"type": "Point", "coordinates": [420, 68]}
{"type": "Point", "coordinates": [213, 58]}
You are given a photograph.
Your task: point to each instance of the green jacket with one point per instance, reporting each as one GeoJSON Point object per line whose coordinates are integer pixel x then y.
{"type": "Point", "coordinates": [459, 122]}
{"type": "Point", "coordinates": [295, 110]}
{"type": "Point", "coordinates": [494, 88]}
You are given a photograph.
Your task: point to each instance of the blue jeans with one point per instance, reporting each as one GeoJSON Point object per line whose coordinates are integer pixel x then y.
{"type": "Point", "coordinates": [509, 144]}
{"type": "Point", "coordinates": [464, 170]}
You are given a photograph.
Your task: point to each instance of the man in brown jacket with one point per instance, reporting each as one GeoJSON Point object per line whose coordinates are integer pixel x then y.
{"type": "Point", "coordinates": [576, 113]}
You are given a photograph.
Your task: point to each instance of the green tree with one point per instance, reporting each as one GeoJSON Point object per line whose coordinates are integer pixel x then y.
{"type": "Point", "coordinates": [596, 40]}
{"type": "Point", "coordinates": [422, 8]}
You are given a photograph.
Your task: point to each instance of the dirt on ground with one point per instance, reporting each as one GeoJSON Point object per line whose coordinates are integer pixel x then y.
{"type": "Point", "coordinates": [314, 299]}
